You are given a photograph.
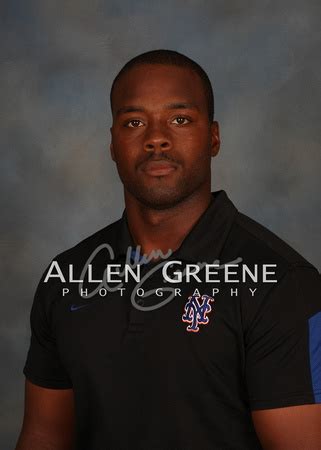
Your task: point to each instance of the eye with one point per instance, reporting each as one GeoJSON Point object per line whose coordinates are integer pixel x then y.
{"type": "Point", "coordinates": [135, 123]}
{"type": "Point", "coordinates": [181, 120]}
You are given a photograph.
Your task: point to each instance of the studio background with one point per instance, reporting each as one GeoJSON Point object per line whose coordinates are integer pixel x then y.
{"type": "Point", "coordinates": [59, 184]}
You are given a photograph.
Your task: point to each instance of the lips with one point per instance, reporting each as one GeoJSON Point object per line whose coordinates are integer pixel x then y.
{"type": "Point", "coordinates": [158, 168]}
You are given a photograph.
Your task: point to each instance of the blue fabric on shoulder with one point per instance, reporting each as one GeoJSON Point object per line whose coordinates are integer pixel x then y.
{"type": "Point", "coordinates": [315, 354]}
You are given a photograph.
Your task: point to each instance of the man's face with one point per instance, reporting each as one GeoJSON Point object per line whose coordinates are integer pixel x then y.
{"type": "Point", "coordinates": [162, 139]}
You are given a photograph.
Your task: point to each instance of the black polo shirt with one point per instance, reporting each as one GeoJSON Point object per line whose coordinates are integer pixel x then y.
{"type": "Point", "coordinates": [183, 374]}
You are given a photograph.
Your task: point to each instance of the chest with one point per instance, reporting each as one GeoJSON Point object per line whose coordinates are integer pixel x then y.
{"type": "Point", "coordinates": [187, 329]}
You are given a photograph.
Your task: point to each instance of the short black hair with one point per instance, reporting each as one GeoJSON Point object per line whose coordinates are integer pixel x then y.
{"type": "Point", "coordinates": [170, 58]}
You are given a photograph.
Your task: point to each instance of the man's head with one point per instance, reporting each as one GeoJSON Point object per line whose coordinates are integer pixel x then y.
{"type": "Point", "coordinates": [163, 134]}
{"type": "Point", "coordinates": [170, 58]}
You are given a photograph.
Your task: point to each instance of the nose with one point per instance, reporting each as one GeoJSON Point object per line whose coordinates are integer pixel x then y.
{"type": "Point", "coordinates": [156, 140]}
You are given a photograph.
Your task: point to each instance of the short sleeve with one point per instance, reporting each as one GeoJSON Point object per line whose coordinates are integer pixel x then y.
{"type": "Point", "coordinates": [283, 345]}
{"type": "Point", "coordinates": [43, 366]}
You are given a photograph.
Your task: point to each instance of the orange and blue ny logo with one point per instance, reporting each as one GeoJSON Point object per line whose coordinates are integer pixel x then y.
{"type": "Point", "coordinates": [196, 312]}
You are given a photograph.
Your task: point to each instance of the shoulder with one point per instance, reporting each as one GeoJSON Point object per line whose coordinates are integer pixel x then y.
{"type": "Point", "coordinates": [255, 243]}
{"type": "Point", "coordinates": [100, 246]}
{"type": "Point", "coordinates": [83, 249]}
{"type": "Point", "coordinates": [293, 298]}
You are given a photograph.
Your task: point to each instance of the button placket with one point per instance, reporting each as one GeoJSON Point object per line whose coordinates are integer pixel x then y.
{"type": "Point", "coordinates": [137, 317]}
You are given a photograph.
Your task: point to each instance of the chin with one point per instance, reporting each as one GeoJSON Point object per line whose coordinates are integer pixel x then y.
{"type": "Point", "coordinates": [160, 198]}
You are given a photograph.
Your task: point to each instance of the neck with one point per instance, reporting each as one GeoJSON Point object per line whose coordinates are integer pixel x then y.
{"type": "Point", "coordinates": [166, 229]}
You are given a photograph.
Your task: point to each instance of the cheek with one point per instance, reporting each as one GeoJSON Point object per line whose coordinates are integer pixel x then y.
{"type": "Point", "coordinates": [197, 147]}
{"type": "Point", "coordinates": [125, 150]}
{"type": "Point", "coordinates": [127, 144]}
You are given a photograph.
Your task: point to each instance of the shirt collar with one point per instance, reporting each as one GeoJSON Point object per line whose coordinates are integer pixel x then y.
{"type": "Point", "coordinates": [204, 242]}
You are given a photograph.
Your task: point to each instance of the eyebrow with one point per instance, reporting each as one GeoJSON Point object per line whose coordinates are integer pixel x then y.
{"type": "Point", "coordinates": [128, 109]}
{"type": "Point", "coordinates": [180, 105]}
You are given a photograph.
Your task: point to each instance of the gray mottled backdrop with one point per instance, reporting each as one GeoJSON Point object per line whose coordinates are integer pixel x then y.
{"type": "Point", "coordinates": [58, 59]}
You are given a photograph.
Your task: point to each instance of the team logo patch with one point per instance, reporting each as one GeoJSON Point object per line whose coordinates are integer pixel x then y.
{"type": "Point", "coordinates": [196, 310]}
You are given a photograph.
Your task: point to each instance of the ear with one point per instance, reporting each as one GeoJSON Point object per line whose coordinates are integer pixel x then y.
{"type": "Point", "coordinates": [112, 154]}
{"type": "Point", "coordinates": [111, 147]}
{"type": "Point", "coordinates": [215, 138]}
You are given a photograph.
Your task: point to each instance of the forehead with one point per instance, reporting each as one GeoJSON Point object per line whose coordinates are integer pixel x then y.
{"type": "Point", "coordinates": [155, 84]}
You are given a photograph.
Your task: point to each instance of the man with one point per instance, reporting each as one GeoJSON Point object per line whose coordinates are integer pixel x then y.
{"type": "Point", "coordinates": [160, 361]}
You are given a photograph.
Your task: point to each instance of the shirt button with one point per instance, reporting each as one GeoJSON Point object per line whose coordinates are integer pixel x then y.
{"type": "Point", "coordinates": [140, 302]}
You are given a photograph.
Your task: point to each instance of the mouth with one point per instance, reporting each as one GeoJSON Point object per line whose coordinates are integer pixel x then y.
{"type": "Point", "coordinates": [158, 168]}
